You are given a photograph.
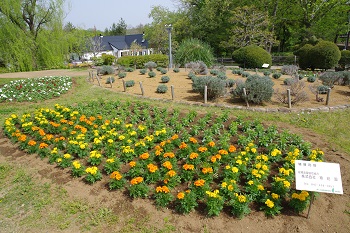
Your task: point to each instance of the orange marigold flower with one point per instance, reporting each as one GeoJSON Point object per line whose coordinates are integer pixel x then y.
{"type": "Point", "coordinates": [213, 159]}
{"type": "Point", "coordinates": [162, 144]}
{"type": "Point", "coordinates": [169, 154]}
{"type": "Point", "coordinates": [232, 149]}
{"type": "Point", "coordinates": [165, 189]}
{"type": "Point", "coordinates": [183, 145]}
{"type": "Point", "coordinates": [193, 140]}
{"type": "Point", "coordinates": [136, 180]}
{"type": "Point", "coordinates": [188, 167]}
{"type": "Point", "coordinates": [223, 152]}
{"type": "Point", "coordinates": [158, 152]}
{"type": "Point", "coordinates": [211, 144]}
{"type": "Point", "coordinates": [41, 132]}
{"type": "Point", "coordinates": [171, 173]}
{"type": "Point", "coordinates": [43, 145]}
{"type": "Point", "coordinates": [32, 143]}
{"type": "Point", "coordinates": [159, 189]}
{"type": "Point", "coordinates": [206, 170]}
{"type": "Point", "coordinates": [144, 156]}
{"type": "Point", "coordinates": [152, 168]}
{"type": "Point", "coordinates": [167, 165]}
{"type": "Point", "coordinates": [199, 183]}
{"type": "Point", "coordinates": [218, 156]}
{"type": "Point", "coordinates": [202, 149]}
{"type": "Point", "coordinates": [132, 164]}
{"type": "Point", "coordinates": [180, 195]}
{"type": "Point", "coordinates": [116, 175]}
{"type": "Point", "coordinates": [22, 138]}
{"type": "Point", "coordinates": [174, 137]}
{"type": "Point", "coordinates": [193, 155]}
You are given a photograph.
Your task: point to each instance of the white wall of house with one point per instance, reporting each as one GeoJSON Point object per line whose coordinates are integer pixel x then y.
{"type": "Point", "coordinates": [118, 53]}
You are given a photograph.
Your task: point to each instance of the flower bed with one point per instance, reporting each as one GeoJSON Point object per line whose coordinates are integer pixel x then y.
{"type": "Point", "coordinates": [35, 89]}
{"type": "Point", "coordinates": [177, 159]}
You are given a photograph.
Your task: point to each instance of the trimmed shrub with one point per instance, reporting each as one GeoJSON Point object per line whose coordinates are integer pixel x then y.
{"type": "Point", "coordinates": [252, 56]}
{"type": "Point", "coordinates": [259, 89]}
{"type": "Point", "coordinates": [330, 78]}
{"type": "Point", "coordinates": [221, 75]}
{"type": "Point", "coordinates": [216, 87]}
{"type": "Point", "coordinates": [288, 81]}
{"type": "Point", "coordinates": [143, 71]}
{"type": "Point", "coordinates": [150, 65]}
{"type": "Point", "coordinates": [191, 75]}
{"type": "Point", "coordinates": [267, 72]}
{"type": "Point", "coordinates": [165, 79]}
{"type": "Point", "coordinates": [105, 70]}
{"type": "Point", "coordinates": [344, 61]}
{"type": "Point", "coordinates": [130, 83]}
{"type": "Point", "coordinates": [322, 89]}
{"type": "Point", "coordinates": [110, 80]}
{"type": "Point", "coordinates": [300, 76]}
{"type": "Point", "coordinates": [311, 79]}
{"type": "Point", "coordinates": [176, 70]}
{"type": "Point", "coordinates": [194, 50]}
{"type": "Point", "coordinates": [276, 75]}
{"type": "Point", "coordinates": [122, 75]}
{"type": "Point", "coordinates": [304, 56]}
{"type": "Point", "coordinates": [129, 69]}
{"type": "Point", "coordinates": [152, 74]}
{"type": "Point", "coordinates": [108, 59]}
{"type": "Point", "coordinates": [230, 82]}
{"type": "Point", "coordinates": [198, 67]}
{"type": "Point", "coordinates": [237, 71]}
{"type": "Point", "coordinates": [163, 71]}
{"type": "Point", "coordinates": [162, 88]}
{"type": "Point", "coordinates": [289, 70]}
{"type": "Point", "coordinates": [159, 68]}
{"type": "Point", "coordinates": [214, 72]}
{"type": "Point", "coordinates": [245, 74]}
{"type": "Point", "coordinates": [345, 78]}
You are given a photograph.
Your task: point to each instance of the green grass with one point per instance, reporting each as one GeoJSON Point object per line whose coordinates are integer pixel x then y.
{"type": "Point", "coordinates": [53, 209]}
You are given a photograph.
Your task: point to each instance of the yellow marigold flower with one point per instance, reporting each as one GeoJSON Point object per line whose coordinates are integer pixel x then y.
{"type": "Point", "coordinates": [111, 160]}
{"type": "Point", "coordinates": [250, 182]}
{"type": "Point", "coordinates": [67, 156]}
{"type": "Point", "coordinates": [193, 155]}
{"type": "Point", "coordinates": [59, 160]}
{"type": "Point", "coordinates": [269, 203]}
{"type": "Point", "coordinates": [211, 144]}
{"type": "Point", "coordinates": [234, 169]}
{"type": "Point", "coordinates": [295, 196]}
{"type": "Point", "coordinates": [242, 198]}
{"type": "Point", "coordinates": [180, 195]}
{"type": "Point", "coordinates": [275, 196]}
{"type": "Point", "coordinates": [199, 183]}
{"type": "Point", "coordinates": [286, 184]}
{"type": "Point", "coordinates": [141, 127]}
{"type": "Point", "coordinates": [121, 137]}
{"type": "Point", "coordinates": [253, 150]}
{"type": "Point", "coordinates": [227, 167]}
{"type": "Point", "coordinates": [144, 156]}
{"type": "Point", "coordinates": [223, 184]}
{"type": "Point", "coordinates": [239, 162]}
{"type": "Point", "coordinates": [260, 187]}
{"type": "Point", "coordinates": [167, 165]}
{"type": "Point", "coordinates": [258, 165]}
{"type": "Point", "coordinates": [230, 187]}
{"type": "Point", "coordinates": [247, 149]}
{"type": "Point", "coordinates": [132, 164]}
{"type": "Point", "coordinates": [76, 164]}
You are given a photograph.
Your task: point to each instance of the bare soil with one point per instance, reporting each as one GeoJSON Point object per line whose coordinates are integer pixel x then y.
{"type": "Point", "coordinates": [329, 213]}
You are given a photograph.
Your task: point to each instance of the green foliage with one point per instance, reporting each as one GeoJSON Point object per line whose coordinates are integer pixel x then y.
{"type": "Point", "coordinates": [122, 75]}
{"type": "Point", "coordinates": [311, 79]}
{"type": "Point", "coordinates": [214, 72]}
{"type": "Point", "coordinates": [162, 88]}
{"type": "Point", "coordinates": [105, 70]}
{"type": "Point", "coordinates": [324, 55]}
{"type": "Point", "coordinates": [322, 89]}
{"type": "Point", "coordinates": [222, 76]}
{"type": "Point", "coordinates": [245, 74]}
{"type": "Point", "coordinates": [344, 61]}
{"type": "Point", "coordinates": [259, 89]}
{"type": "Point", "coordinates": [150, 65]}
{"type": "Point", "coordinates": [230, 82]}
{"type": "Point", "coordinates": [143, 71]}
{"type": "Point", "coordinates": [165, 79]}
{"type": "Point", "coordinates": [197, 67]}
{"type": "Point", "coordinates": [237, 71]}
{"type": "Point", "coordinates": [151, 74]}
{"type": "Point", "coordinates": [288, 81]}
{"type": "Point", "coordinates": [110, 80]}
{"type": "Point", "coordinates": [252, 56]}
{"type": "Point", "coordinates": [163, 71]}
{"type": "Point", "coordinates": [130, 83]}
{"type": "Point", "coordinates": [176, 70]}
{"type": "Point", "coordinates": [276, 75]}
{"type": "Point", "coordinates": [129, 69]}
{"type": "Point", "coordinates": [191, 50]}
{"type": "Point", "coordinates": [267, 72]}
{"type": "Point", "coordinates": [216, 87]}
{"type": "Point", "coordinates": [330, 78]}
{"type": "Point", "coordinates": [108, 59]}
{"type": "Point", "coordinates": [140, 61]}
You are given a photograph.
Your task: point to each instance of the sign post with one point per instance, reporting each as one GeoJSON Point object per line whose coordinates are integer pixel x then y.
{"type": "Point", "coordinates": [318, 177]}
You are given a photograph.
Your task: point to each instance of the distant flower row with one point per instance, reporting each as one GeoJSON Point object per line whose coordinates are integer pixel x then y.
{"type": "Point", "coordinates": [169, 167]}
{"type": "Point", "coordinates": [35, 89]}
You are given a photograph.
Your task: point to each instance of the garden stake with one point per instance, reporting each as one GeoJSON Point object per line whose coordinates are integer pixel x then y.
{"type": "Point", "coordinates": [124, 86]}
{"type": "Point", "coordinates": [328, 95]}
{"type": "Point", "coordinates": [289, 99]}
{"type": "Point", "coordinates": [205, 94]}
{"type": "Point", "coordinates": [172, 92]}
{"type": "Point", "coordinates": [141, 88]}
{"type": "Point", "coordinates": [311, 201]}
{"type": "Point", "coordinates": [245, 96]}
{"type": "Point", "coordinates": [98, 80]}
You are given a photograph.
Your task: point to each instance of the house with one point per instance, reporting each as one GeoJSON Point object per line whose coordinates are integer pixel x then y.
{"type": "Point", "coordinates": [118, 46]}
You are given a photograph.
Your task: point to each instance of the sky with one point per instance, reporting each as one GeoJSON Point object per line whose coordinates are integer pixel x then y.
{"type": "Point", "coordinates": [103, 13]}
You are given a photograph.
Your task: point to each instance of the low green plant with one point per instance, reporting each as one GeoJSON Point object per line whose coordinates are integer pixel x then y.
{"type": "Point", "coordinates": [165, 79]}
{"type": "Point", "coordinates": [245, 74]}
{"type": "Point", "coordinates": [237, 71]}
{"type": "Point", "coordinates": [163, 71]}
{"type": "Point", "coordinates": [143, 71]}
{"type": "Point", "coordinates": [162, 89]}
{"type": "Point", "coordinates": [186, 202]}
{"type": "Point", "coordinates": [129, 69]}
{"type": "Point", "coordinates": [230, 82]}
{"type": "Point", "coordinates": [276, 75]}
{"type": "Point", "coordinates": [221, 75]}
{"type": "Point", "coordinates": [267, 72]}
{"type": "Point", "coordinates": [130, 83]}
{"type": "Point", "coordinates": [322, 89]}
{"type": "Point", "coordinates": [311, 79]}
{"type": "Point", "coordinates": [176, 70]}
{"type": "Point", "coordinates": [215, 86]}
{"type": "Point", "coordinates": [214, 72]}
{"type": "Point", "coordinates": [110, 80]}
{"type": "Point", "coordinates": [288, 81]}
{"type": "Point", "coordinates": [105, 70]}
{"type": "Point", "coordinates": [151, 74]}
{"type": "Point", "coordinates": [150, 65]}
{"type": "Point", "coordinates": [122, 75]}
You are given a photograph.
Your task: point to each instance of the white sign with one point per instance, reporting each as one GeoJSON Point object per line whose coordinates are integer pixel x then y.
{"type": "Point", "coordinates": [265, 65]}
{"type": "Point", "coordinates": [318, 177]}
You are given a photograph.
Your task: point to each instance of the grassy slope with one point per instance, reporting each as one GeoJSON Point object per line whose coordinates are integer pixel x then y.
{"type": "Point", "coordinates": [17, 184]}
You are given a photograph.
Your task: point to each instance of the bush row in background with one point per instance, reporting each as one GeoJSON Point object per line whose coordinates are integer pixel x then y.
{"type": "Point", "coordinates": [140, 61]}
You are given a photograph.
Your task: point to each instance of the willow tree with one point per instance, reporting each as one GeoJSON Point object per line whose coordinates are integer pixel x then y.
{"type": "Point", "coordinates": [31, 34]}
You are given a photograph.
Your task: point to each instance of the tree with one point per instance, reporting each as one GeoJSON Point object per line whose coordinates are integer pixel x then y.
{"type": "Point", "coordinates": [118, 29]}
{"type": "Point", "coordinates": [36, 27]}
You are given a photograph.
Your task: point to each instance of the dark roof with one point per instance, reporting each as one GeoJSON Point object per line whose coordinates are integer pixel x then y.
{"type": "Point", "coordinates": [122, 42]}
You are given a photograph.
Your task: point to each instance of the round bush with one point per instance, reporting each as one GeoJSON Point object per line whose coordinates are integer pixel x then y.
{"type": "Point", "coordinates": [344, 61]}
{"type": "Point", "coordinates": [110, 80]}
{"type": "Point", "coordinates": [230, 82]}
{"type": "Point", "coordinates": [163, 71]}
{"type": "Point", "coordinates": [108, 59]}
{"type": "Point", "coordinates": [214, 72]}
{"type": "Point", "coordinates": [267, 73]}
{"type": "Point", "coordinates": [129, 69]}
{"type": "Point", "coordinates": [194, 50]}
{"type": "Point", "coordinates": [176, 70]}
{"type": "Point", "coordinates": [325, 55]}
{"type": "Point", "coordinates": [221, 75]}
{"type": "Point", "coordinates": [259, 89]}
{"type": "Point", "coordinates": [252, 56]}
{"type": "Point", "coordinates": [165, 79]}
{"type": "Point", "coordinates": [151, 74]}
{"type": "Point", "coordinates": [216, 86]}
{"type": "Point", "coordinates": [130, 83]}
{"type": "Point", "coordinates": [276, 75]}
{"type": "Point", "coordinates": [304, 56]}
{"type": "Point", "coordinates": [162, 89]}
{"type": "Point", "coordinates": [288, 81]}
{"type": "Point", "coordinates": [311, 79]}
{"type": "Point", "coordinates": [150, 65]}
{"type": "Point", "coordinates": [143, 71]}
{"type": "Point", "coordinates": [122, 75]}
{"type": "Point", "coordinates": [106, 70]}
{"type": "Point", "coordinates": [300, 76]}
{"type": "Point", "coordinates": [323, 89]}
{"type": "Point", "coordinates": [237, 71]}
{"type": "Point", "coordinates": [245, 74]}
